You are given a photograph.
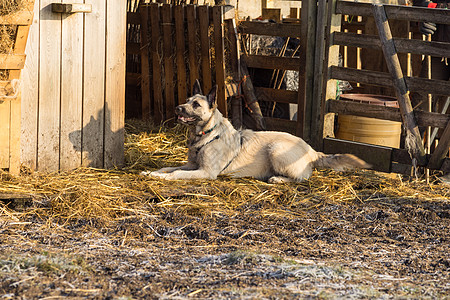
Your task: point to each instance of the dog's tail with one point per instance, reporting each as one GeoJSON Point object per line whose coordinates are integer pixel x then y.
{"type": "Point", "coordinates": [340, 162]}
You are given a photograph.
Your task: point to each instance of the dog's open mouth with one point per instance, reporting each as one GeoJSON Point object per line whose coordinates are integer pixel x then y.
{"type": "Point", "coordinates": [186, 119]}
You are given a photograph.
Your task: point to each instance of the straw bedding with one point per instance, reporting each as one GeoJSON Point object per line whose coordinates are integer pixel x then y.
{"type": "Point", "coordinates": [103, 196]}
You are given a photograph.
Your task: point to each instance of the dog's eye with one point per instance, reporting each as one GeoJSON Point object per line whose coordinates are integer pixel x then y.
{"type": "Point", "coordinates": [195, 104]}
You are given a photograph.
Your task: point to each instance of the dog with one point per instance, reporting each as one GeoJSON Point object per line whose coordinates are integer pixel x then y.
{"type": "Point", "coordinates": [217, 148]}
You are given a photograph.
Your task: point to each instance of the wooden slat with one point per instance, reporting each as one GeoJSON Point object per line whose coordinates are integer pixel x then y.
{"type": "Point", "coordinates": [272, 62]}
{"type": "Point", "coordinates": [386, 113]}
{"type": "Point", "coordinates": [49, 88]}
{"type": "Point", "coordinates": [23, 17]}
{"type": "Point", "coordinates": [5, 127]}
{"type": "Point", "coordinates": [378, 156]}
{"type": "Point", "coordinates": [280, 96]}
{"type": "Point", "coordinates": [14, 138]}
{"type": "Point", "coordinates": [29, 87]}
{"type": "Point", "coordinates": [402, 45]}
{"type": "Point", "coordinates": [192, 44]}
{"type": "Point", "coordinates": [94, 86]}
{"type": "Point", "coordinates": [19, 47]}
{"type": "Point", "coordinates": [203, 18]}
{"type": "Point", "coordinates": [115, 84]}
{"type": "Point", "coordinates": [71, 91]}
{"type": "Point", "coordinates": [156, 63]}
{"type": "Point", "coordinates": [145, 65]}
{"type": "Point", "coordinates": [12, 61]}
{"type": "Point", "coordinates": [167, 30]}
{"type": "Point", "coordinates": [180, 55]}
{"type": "Point", "coordinates": [234, 53]}
{"type": "Point", "coordinates": [275, 124]}
{"type": "Point", "coordinates": [134, 17]}
{"type": "Point", "coordinates": [219, 49]}
{"type": "Point", "coordinates": [439, 87]}
{"type": "Point", "coordinates": [438, 156]}
{"type": "Point", "coordinates": [269, 29]}
{"type": "Point", "coordinates": [407, 13]}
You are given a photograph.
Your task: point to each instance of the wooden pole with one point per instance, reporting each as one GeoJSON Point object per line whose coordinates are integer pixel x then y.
{"type": "Point", "coordinates": [413, 140]}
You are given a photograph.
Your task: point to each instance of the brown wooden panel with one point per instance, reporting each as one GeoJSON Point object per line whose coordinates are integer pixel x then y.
{"type": "Point", "coordinates": [156, 63]}
{"type": "Point", "coordinates": [192, 44]}
{"type": "Point", "coordinates": [275, 124]}
{"type": "Point", "coordinates": [407, 13]}
{"type": "Point", "coordinates": [145, 64]}
{"type": "Point", "coordinates": [281, 96]}
{"type": "Point", "coordinates": [167, 30]}
{"type": "Point", "coordinates": [133, 48]}
{"type": "Point", "coordinates": [272, 62]}
{"type": "Point", "coordinates": [135, 17]}
{"type": "Point", "coordinates": [270, 29]}
{"type": "Point", "coordinates": [203, 19]}
{"type": "Point", "coordinates": [180, 48]}
{"type": "Point", "coordinates": [219, 49]}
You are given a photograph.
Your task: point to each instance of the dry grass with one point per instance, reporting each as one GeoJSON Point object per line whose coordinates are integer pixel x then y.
{"type": "Point", "coordinates": [103, 196]}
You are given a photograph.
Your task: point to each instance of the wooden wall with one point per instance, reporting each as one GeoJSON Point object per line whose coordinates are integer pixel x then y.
{"type": "Point", "coordinates": [74, 88]}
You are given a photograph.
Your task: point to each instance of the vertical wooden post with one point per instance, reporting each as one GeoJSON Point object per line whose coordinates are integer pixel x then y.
{"type": "Point", "coordinates": [167, 27]}
{"type": "Point", "coordinates": [156, 63]}
{"type": "Point", "coordinates": [413, 139]}
{"type": "Point", "coordinates": [203, 15]}
{"type": "Point", "coordinates": [180, 43]}
{"type": "Point", "coordinates": [192, 44]}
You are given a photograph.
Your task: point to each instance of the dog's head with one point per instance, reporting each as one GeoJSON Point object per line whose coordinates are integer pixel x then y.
{"type": "Point", "coordinates": [199, 108]}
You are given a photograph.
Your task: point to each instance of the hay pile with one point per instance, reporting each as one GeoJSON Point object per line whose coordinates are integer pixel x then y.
{"type": "Point", "coordinates": [104, 196]}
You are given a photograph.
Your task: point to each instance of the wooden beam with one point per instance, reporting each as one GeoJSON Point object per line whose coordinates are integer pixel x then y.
{"type": "Point", "coordinates": [271, 29]}
{"type": "Point", "coordinates": [12, 61]}
{"type": "Point", "coordinates": [277, 95]}
{"type": "Point", "coordinates": [219, 48]}
{"type": "Point", "coordinates": [272, 62]}
{"type": "Point", "coordinates": [414, 141]}
{"type": "Point", "coordinates": [438, 156]}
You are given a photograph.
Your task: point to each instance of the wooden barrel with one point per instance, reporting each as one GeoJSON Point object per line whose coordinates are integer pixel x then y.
{"type": "Point", "coordinates": [369, 130]}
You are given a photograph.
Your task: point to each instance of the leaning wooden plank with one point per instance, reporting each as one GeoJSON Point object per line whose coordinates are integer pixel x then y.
{"type": "Point", "coordinates": [22, 17]}
{"type": "Point", "coordinates": [270, 29]}
{"type": "Point", "coordinates": [203, 18]}
{"type": "Point", "coordinates": [156, 62]}
{"type": "Point", "coordinates": [234, 53]}
{"type": "Point", "coordinates": [145, 65]}
{"type": "Point", "coordinates": [401, 44]}
{"type": "Point", "coordinates": [250, 97]}
{"type": "Point", "coordinates": [12, 61]}
{"type": "Point", "coordinates": [396, 12]}
{"type": "Point", "coordinates": [115, 85]}
{"type": "Point", "coordinates": [167, 30]}
{"type": "Point", "coordinates": [49, 89]}
{"type": "Point", "coordinates": [19, 47]}
{"type": "Point", "coordinates": [438, 156]}
{"type": "Point", "coordinates": [413, 139]}
{"type": "Point", "coordinates": [219, 49]}
{"type": "Point", "coordinates": [192, 44]}
{"type": "Point", "coordinates": [180, 55]}
{"type": "Point", "coordinates": [94, 86]}
{"type": "Point", "coordinates": [272, 62]}
{"type": "Point", "coordinates": [71, 91]}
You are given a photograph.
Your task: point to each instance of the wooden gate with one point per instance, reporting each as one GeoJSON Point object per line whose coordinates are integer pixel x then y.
{"type": "Point", "coordinates": [74, 86]}
{"type": "Point", "coordinates": [383, 158]}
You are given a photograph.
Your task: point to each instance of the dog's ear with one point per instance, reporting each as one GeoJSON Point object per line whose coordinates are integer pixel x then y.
{"type": "Point", "coordinates": [197, 90]}
{"type": "Point", "coordinates": [212, 97]}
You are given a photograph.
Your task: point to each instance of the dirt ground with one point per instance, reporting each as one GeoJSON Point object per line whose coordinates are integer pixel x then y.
{"type": "Point", "coordinates": [295, 244]}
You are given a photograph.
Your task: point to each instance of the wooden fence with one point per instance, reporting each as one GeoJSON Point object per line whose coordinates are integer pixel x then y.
{"type": "Point", "coordinates": [178, 44]}
{"type": "Point", "coordinates": [383, 158]}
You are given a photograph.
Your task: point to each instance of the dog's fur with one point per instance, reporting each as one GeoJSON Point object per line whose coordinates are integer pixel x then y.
{"type": "Point", "coordinates": [216, 148]}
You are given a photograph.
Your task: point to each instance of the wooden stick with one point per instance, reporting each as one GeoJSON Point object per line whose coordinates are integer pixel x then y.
{"type": "Point", "coordinates": [413, 140]}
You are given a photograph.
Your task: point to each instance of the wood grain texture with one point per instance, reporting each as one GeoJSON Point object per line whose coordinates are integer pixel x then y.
{"type": "Point", "coordinates": [167, 31]}
{"type": "Point", "coordinates": [203, 19]}
{"type": "Point", "coordinates": [182, 87]}
{"type": "Point", "coordinates": [191, 16]}
{"type": "Point", "coordinates": [219, 48]}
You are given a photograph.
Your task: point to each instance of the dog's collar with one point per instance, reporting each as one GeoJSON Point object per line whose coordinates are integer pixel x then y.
{"type": "Point", "coordinates": [207, 131]}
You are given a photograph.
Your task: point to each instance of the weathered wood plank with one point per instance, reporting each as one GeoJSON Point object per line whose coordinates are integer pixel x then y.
{"type": "Point", "coordinates": [5, 128]}
{"type": "Point", "coordinates": [219, 49]}
{"type": "Point", "coordinates": [281, 96]}
{"type": "Point", "coordinates": [94, 86]}
{"type": "Point", "coordinates": [115, 85]}
{"type": "Point", "coordinates": [167, 30]}
{"type": "Point", "coordinates": [438, 156]}
{"type": "Point", "coordinates": [412, 131]}
{"type": "Point", "coordinates": [22, 17]}
{"type": "Point", "coordinates": [14, 138]}
{"type": "Point", "coordinates": [192, 44]}
{"type": "Point", "coordinates": [156, 63]}
{"type": "Point", "coordinates": [180, 55]}
{"type": "Point", "coordinates": [49, 88]}
{"type": "Point", "coordinates": [145, 65]}
{"type": "Point", "coordinates": [71, 91]}
{"type": "Point", "coordinates": [401, 44]}
{"type": "Point", "coordinates": [270, 29]}
{"type": "Point", "coordinates": [203, 19]}
{"type": "Point", "coordinates": [275, 124]}
{"type": "Point", "coordinates": [12, 61]}
{"type": "Point", "coordinates": [272, 62]}
{"type": "Point", "coordinates": [407, 13]}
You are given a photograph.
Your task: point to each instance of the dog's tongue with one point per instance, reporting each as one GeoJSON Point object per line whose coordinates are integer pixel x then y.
{"type": "Point", "coordinates": [185, 119]}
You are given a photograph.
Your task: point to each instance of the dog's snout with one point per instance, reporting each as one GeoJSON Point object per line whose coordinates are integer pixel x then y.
{"type": "Point", "coordinates": [179, 109]}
